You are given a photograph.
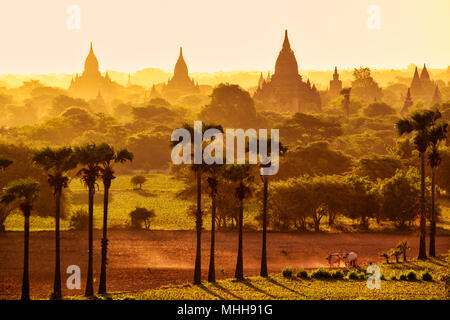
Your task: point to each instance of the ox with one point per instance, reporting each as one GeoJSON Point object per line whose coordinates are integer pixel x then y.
{"type": "Point", "coordinates": [350, 259]}
{"type": "Point", "coordinates": [333, 258]}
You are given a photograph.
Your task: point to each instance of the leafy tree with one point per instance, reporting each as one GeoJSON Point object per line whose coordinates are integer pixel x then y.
{"type": "Point", "coordinates": [109, 157]}
{"type": "Point", "coordinates": [138, 181]}
{"type": "Point", "coordinates": [398, 197]}
{"type": "Point", "coordinates": [377, 167]}
{"type": "Point", "coordinates": [316, 158]}
{"type": "Point", "coordinates": [90, 158]}
{"type": "Point", "coordinates": [437, 134]}
{"type": "Point", "coordinates": [62, 102]}
{"type": "Point", "coordinates": [364, 85]}
{"type": "Point", "coordinates": [419, 123]}
{"type": "Point", "coordinates": [141, 216]}
{"type": "Point", "coordinates": [378, 109]}
{"type": "Point", "coordinates": [24, 193]}
{"type": "Point", "coordinates": [231, 106]}
{"type": "Point", "coordinates": [56, 162]}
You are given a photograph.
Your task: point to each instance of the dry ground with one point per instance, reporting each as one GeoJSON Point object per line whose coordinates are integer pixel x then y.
{"type": "Point", "coordinates": [140, 260]}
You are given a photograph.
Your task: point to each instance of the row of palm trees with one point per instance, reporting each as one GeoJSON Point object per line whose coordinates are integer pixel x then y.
{"type": "Point", "coordinates": [242, 176]}
{"type": "Point", "coordinates": [429, 132]}
{"type": "Point", "coordinates": [94, 162]}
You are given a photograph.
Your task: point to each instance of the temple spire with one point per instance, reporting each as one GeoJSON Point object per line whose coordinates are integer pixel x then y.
{"type": "Point", "coordinates": [424, 76]}
{"type": "Point", "coordinates": [436, 96]}
{"type": "Point", "coordinates": [286, 44]}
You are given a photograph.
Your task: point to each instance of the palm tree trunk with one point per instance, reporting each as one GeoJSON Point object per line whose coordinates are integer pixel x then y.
{"type": "Point", "coordinates": [264, 231]}
{"type": "Point", "coordinates": [57, 281]}
{"type": "Point", "coordinates": [198, 222]}
{"type": "Point", "coordinates": [89, 282]}
{"type": "Point", "coordinates": [212, 267]}
{"type": "Point", "coordinates": [102, 286]}
{"type": "Point", "coordinates": [239, 274]}
{"type": "Point", "coordinates": [422, 248]}
{"type": "Point", "coordinates": [26, 279]}
{"type": "Point", "coordinates": [432, 252]}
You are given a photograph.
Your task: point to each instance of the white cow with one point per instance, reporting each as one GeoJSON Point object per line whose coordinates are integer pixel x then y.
{"type": "Point", "coordinates": [350, 259]}
{"type": "Point", "coordinates": [333, 258]}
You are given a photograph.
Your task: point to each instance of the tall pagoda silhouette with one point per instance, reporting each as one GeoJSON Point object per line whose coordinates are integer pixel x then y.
{"type": "Point", "coordinates": [180, 84]}
{"type": "Point", "coordinates": [285, 90]}
{"type": "Point", "coordinates": [422, 88]}
{"type": "Point", "coordinates": [91, 81]}
{"type": "Point", "coordinates": [335, 84]}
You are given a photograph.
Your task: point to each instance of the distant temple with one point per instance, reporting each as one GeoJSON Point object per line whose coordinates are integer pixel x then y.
{"type": "Point", "coordinates": [285, 90]}
{"type": "Point", "coordinates": [408, 103]}
{"type": "Point", "coordinates": [422, 88]}
{"type": "Point", "coordinates": [180, 84]}
{"type": "Point", "coordinates": [91, 82]}
{"type": "Point", "coordinates": [335, 84]}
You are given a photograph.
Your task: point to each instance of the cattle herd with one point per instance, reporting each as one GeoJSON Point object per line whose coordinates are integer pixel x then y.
{"type": "Point", "coordinates": [349, 259]}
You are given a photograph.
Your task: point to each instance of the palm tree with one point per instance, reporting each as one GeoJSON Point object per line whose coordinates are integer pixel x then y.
{"type": "Point", "coordinates": [25, 192]}
{"type": "Point", "coordinates": [240, 174]}
{"type": "Point", "coordinates": [346, 101]}
{"type": "Point", "coordinates": [109, 158]}
{"type": "Point", "coordinates": [198, 171]}
{"type": "Point", "coordinates": [420, 123]}
{"type": "Point", "coordinates": [4, 209]}
{"type": "Point", "coordinates": [56, 162]}
{"type": "Point", "coordinates": [403, 247]}
{"type": "Point", "coordinates": [437, 134]}
{"type": "Point", "coordinates": [90, 157]}
{"type": "Point", "coordinates": [265, 180]}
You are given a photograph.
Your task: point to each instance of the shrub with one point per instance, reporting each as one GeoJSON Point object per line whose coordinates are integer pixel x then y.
{"type": "Point", "coordinates": [287, 272]}
{"type": "Point", "coordinates": [426, 276]}
{"type": "Point", "coordinates": [386, 256]}
{"type": "Point", "coordinates": [403, 247]}
{"type": "Point", "coordinates": [353, 275]}
{"type": "Point", "coordinates": [411, 275]}
{"type": "Point", "coordinates": [321, 274]}
{"type": "Point", "coordinates": [393, 277]}
{"type": "Point", "coordinates": [362, 276]}
{"type": "Point", "coordinates": [403, 277]}
{"type": "Point", "coordinates": [141, 216]}
{"type": "Point", "coordinates": [79, 220]}
{"type": "Point", "coordinates": [302, 274]}
{"type": "Point", "coordinates": [338, 274]}
{"type": "Point", "coordinates": [382, 277]}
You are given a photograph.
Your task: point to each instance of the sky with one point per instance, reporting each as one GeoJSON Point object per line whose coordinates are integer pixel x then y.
{"type": "Point", "coordinates": [221, 35]}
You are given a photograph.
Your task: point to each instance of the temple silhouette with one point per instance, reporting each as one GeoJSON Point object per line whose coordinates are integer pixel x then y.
{"type": "Point", "coordinates": [423, 88]}
{"type": "Point", "coordinates": [91, 83]}
{"type": "Point", "coordinates": [285, 90]}
{"type": "Point", "coordinates": [180, 84]}
{"type": "Point", "coordinates": [335, 85]}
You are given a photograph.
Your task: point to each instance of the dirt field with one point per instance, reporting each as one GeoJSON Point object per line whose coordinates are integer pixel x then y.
{"type": "Point", "coordinates": [140, 260]}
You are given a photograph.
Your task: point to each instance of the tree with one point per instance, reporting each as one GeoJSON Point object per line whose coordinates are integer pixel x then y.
{"type": "Point", "coordinates": [89, 156]}
{"type": "Point", "coordinates": [364, 85]}
{"type": "Point", "coordinates": [377, 167]}
{"type": "Point", "coordinates": [212, 184]}
{"type": "Point", "coordinates": [138, 181]}
{"type": "Point", "coordinates": [437, 134]}
{"type": "Point", "coordinates": [265, 180]}
{"type": "Point", "coordinates": [403, 247]}
{"type": "Point", "coordinates": [24, 193]}
{"type": "Point", "coordinates": [398, 197]}
{"type": "Point", "coordinates": [141, 215]}
{"type": "Point", "coordinates": [378, 109]}
{"type": "Point", "coordinates": [56, 162]}
{"type": "Point", "coordinates": [4, 208]}
{"type": "Point", "coordinates": [231, 106]}
{"type": "Point", "coordinates": [242, 176]}
{"type": "Point", "coordinates": [346, 101]}
{"type": "Point", "coordinates": [419, 123]}
{"type": "Point", "coordinates": [109, 157]}
{"type": "Point", "coordinates": [198, 169]}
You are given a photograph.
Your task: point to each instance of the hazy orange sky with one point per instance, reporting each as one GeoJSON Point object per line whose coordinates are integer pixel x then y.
{"type": "Point", "coordinates": [221, 34]}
